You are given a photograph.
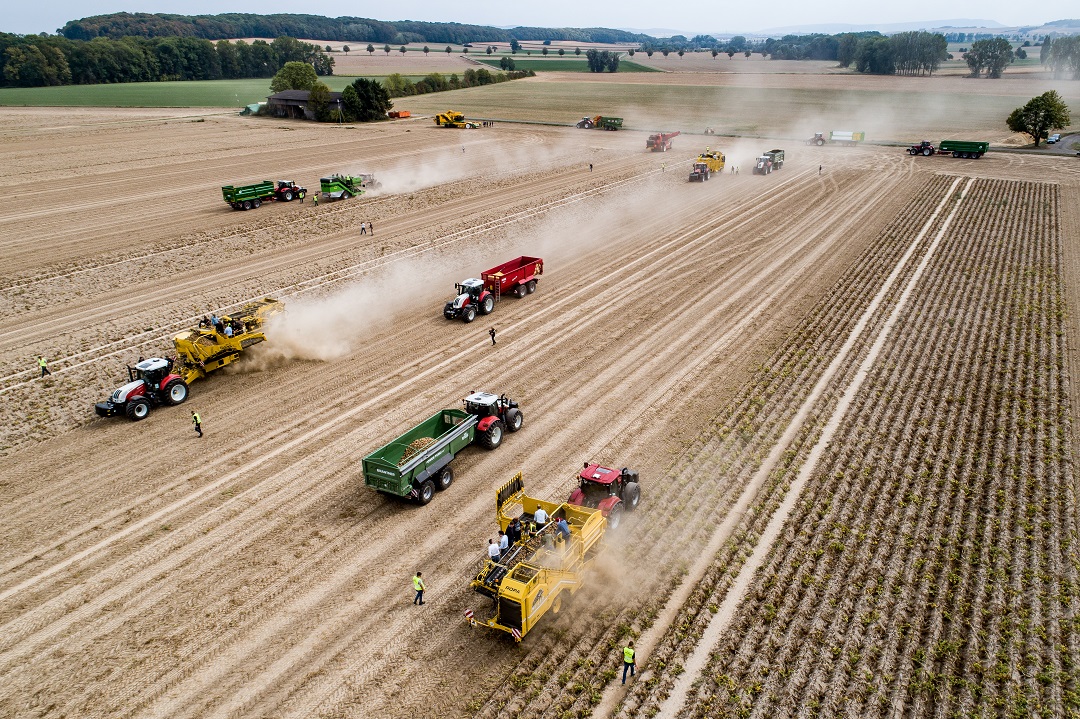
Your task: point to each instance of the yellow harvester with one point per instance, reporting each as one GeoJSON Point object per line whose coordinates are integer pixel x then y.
{"type": "Point", "coordinates": [531, 577]}
{"type": "Point", "coordinates": [453, 118]}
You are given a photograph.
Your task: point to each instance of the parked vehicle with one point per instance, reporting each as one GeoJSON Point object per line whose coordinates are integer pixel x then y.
{"type": "Point", "coordinates": [1053, 138]}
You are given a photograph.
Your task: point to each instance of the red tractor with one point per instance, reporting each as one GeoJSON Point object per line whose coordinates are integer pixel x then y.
{"type": "Point", "coordinates": [472, 298]}
{"type": "Point", "coordinates": [152, 383]}
{"type": "Point", "coordinates": [609, 490]}
{"type": "Point", "coordinates": [924, 148]}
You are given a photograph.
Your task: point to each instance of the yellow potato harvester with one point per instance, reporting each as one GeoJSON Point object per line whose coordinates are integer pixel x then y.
{"type": "Point", "coordinates": [532, 575]}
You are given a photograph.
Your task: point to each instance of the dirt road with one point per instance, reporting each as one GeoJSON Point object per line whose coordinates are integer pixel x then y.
{"type": "Point", "coordinates": [147, 572]}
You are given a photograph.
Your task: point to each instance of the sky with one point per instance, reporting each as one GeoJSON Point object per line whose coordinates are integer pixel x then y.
{"type": "Point", "coordinates": [691, 16]}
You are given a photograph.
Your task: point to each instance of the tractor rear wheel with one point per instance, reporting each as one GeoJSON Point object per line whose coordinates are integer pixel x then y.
{"type": "Point", "coordinates": [493, 436]}
{"type": "Point", "coordinates": [631, 496]}
{"type": "Point", "coordinates": [137, 409]}
{"type": "Point", "coordinates": [425, 492]}
{"type": "Point", "coordinates": [288, 195]}
{"type": "Point", "coordinates": [926, 152]}
{"type": "Point", "coordinates": [487, 305]}
{"type": "Point", "coordinates": [514, 419]}
{"type": "Point", "coordinates": [530, 287]}
{"type": "Point", "coordinates": [445, 479]}
{"type": "Point", "coordinates": [176, 392]}
{"type": "Point", "coordinates": [468, 314]}
{"type": "Point", "coordinates": [614, 519]}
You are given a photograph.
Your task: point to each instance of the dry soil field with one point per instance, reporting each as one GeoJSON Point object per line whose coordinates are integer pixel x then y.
{"type": "Point", "coordinates": [850, 396]}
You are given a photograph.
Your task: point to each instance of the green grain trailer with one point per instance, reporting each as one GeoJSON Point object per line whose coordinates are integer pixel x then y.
{"type": "Point", "coordinates": [416, 464]}
{"type": "Point", "coordinates": [964, 148]}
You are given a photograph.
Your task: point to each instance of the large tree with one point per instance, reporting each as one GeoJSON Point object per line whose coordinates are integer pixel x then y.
{"type": "Point", "coordinates": [994, 55]}
{"type": "Point", "coordinates": [319, 102]}
{"type": "Point", "coordinates": [294, 76]}
{"type": "Point", "coordinates": [1039, 116]}
{"type": "Point", "coordinates": [372, 100]}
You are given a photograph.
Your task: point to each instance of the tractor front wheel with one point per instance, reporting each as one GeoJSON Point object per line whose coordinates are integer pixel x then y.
{"type": "Point", "coordinates": [176, 392]}
{"type": "Point", "coordinates": [631, 496]}
{"type": "Point", "coordinates": [425, 492]}
{"type": "Point", "coordinates": [514, 419]}
{"type": "Point", "coordinates": [138, 409]}
{"type": "Point", "coordinates": [493, 436]}
{"type": "Point", "coordinates": [468, 314]}
{"type": "Point", "coordinates": [445, 479]}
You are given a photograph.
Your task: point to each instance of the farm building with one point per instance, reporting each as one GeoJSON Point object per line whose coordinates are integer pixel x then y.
{"type": "Point", "coordinates": [294, 103]}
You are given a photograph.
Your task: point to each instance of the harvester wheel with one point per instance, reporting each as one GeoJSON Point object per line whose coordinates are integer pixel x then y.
{"type": "Point", "coordinates": [176, 392]}
{"type": "Point", "coordinates": [631, 496]}
{"type": "Point", "coordinates": [614, 519]}
{"type": "Point", "coordinates": [493, 437]}
{"type": "Point", "coordinates": [445, 479]}
{"type": "Point", "coordinates": [247, 204]}
{"type": "Point", "coordinates": [137, 409]}
{"type": "Point", "coordinates": [468, 314]}
{"type": "Point", "coordinates": [530, 287]}
{"type": "Point", "coordinates": [256, 203]}
{"type": "Point", "coordinates": [345, 195]}
{"type": "Point", "coordinates": [487, 305]}
{"type": "Point", "coordinates": [288, 195]}
{"type": "Point", "coordinates": [426, 492]}
{"type": "Point", "coordinates": [514, 419]}
{"type": "Point", "coordinates": [557, 606]}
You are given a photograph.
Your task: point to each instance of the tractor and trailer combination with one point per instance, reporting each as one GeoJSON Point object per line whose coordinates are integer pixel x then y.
{"type": "Point", "coordinates": [475, 296]}
{"type": "Point", "coordinates": [769, 162]}
{"type": "Point", "coordinates": [957, 148]}
{"type": "Point", "coordinates": [250, 197]}
{"type": "Point", "coordinates": [706, 165]}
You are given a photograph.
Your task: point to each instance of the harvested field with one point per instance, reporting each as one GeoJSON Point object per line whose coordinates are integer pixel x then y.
{"type": "Point", "coordinates": [702, 334]}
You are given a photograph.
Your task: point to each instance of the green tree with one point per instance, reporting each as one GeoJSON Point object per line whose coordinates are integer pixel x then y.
{"type": "Point", "coordinates": [373, 99]}
{"type": "Point", "coordinates": [351, 102]}
{"type": "Point", "coordinates": [514, 46]}
{"type": "Point", "coordinates": [328, 49]}
{"type": "Point", "coordinates": [544, 51]}
{"type": "Point", "coordinates": [402, 50]}
{"type": "Point", "coordinates": [490, 50]}
{"type": "Point", "coordinates": [994, 54]}
{"type": "Point", "coordinates": [507, 63]}
{"type": "Point", "coordinates": [319, 102]}
{"type": "Point", "coordinates": [561, 52]}
{"type": "Point", "coordinates": [449, 50]}
{"type": "Point", "coordinates": [629, 52]}
{"type": "Point", "coordinates": [1039, 116]}
{"type": "Point", "coordinates": [386, 49]}
{"type": "Point", "coordinates": [294, 76]}
{"type": "Point", "coordinates": [845, 48]}
{"type": "Point", "coordinates": [426, 50]}
{"type": "Point", "coordinates": [577, 51]}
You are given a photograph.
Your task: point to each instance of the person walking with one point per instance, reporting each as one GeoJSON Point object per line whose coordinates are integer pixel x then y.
{"type": "Point", "coordinates": [629, 660]}
{"type": "Point", "coordinates": [492, 333]}
{"type": "Point", "coordinates": [370, 229]}
{"type": "Point", "coordinates": [363, 228]}
{"type": "Point", "coordinates": [663, 167]}
{"type": "Point", "coordinates": [45, 365]}
{"type": "Point", "coordinates": [197, 421]}
{"type": "Point", "coordinates": [418, 585]}
{"type": "Point", "coordinates": [819, 170]}
{"type": "Point", "coordinates": [315, 199]}
{"type": "Point", "coordinates": [590, 167]}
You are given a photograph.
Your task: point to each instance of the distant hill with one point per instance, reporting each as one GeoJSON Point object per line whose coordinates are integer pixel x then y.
{"type": "Point", "coordinates": [317, 27]}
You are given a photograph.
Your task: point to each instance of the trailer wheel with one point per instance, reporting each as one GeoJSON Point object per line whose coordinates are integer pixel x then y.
{"type": "Point", "coordinates": [631, 496]}
{"type": "Point", "coordinates": [487, 305]}
{"type": "Point", "coordinates": [514, 419]}
{"type": "Point", "coordinates": [288, 195]}
{"type": "Point", "coordinates": [493, 437]}
{"type": "Point", "coordinates": [137, 409]}
{"type": "Point", "coordinates": [468, 314]}
{"type": "Point", "coordinates": [530, 287]}
{"type": "Point", "coordinates": [176, 392]}
{"type": "Point", "coordinates": [445, 479]}
{"type": "Point", "coordinates": [247, 204]}
{"type": "Point", "coordinates": [425, 492]}
{"type": "Point", "coordinates": [614, 519]}
{"type": "Point", "coordinates": [256, 203]}
{"type": "Point", "coordinates": [519, 291]}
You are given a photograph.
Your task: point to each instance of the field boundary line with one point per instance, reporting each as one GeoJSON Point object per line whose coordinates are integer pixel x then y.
{"type": "Point", "coordinates": [741, 585]}
{"type": "Point", "coordinates": [649, 639]}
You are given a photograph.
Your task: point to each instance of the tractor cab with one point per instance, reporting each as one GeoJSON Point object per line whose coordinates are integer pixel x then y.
{"type": "Point", "coordinates": [486, 404]}
{"type": "Point", "coordinates": [151, 371]}
{"type": "Point", "coordinates": [286, 185]}
{"type": "Point", "coordinates": [467, 291]}
{"type": "Point", "coordinates": [609, 490]}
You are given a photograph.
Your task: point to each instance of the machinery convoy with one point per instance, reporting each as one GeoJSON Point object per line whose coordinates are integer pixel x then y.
{"type": "Point", "coordinates": [529, 579]}
{"type": "Point", "coordinates": [706, 165]}
{"type": "Point", "coordinates": [453, 118]}
{"type": "Point", "coordinates": [849, 138]}
{"type": "Point", "coordinates": [416, 464]}
{"type": "Point", "coordinates": [164, 381]}
{"type": "Point", "coordinates": [957, 148]}
{"type": "Point", "coordinates": [478, 296]}
{"type": "Point", "coordinates": [248, 197]}
{"type": "Point", "coordinates": [661, 141]}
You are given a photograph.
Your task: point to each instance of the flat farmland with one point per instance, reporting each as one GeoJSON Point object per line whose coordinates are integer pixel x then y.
{"type": "Point", "coordinates": [850, 395]}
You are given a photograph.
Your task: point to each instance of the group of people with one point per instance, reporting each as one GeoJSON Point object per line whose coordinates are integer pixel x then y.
{"type": "Point", "coordinates": [222, 325]}
{"type": "Point", "coordinates": [366, 228]}
{"type": "Point", "coordinates": [516, 531]}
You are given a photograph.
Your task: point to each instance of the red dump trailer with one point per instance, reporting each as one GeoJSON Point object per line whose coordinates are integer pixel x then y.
{"type": "Point", "coordinates": [660, 141]}
{"type": "Point", "coordinates": [516, 277]}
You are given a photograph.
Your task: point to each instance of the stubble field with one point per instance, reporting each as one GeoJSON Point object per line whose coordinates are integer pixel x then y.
{"type": "Point", "coordinates": [849, 396]}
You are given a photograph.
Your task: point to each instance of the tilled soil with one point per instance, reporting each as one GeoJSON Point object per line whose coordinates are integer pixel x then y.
{"type": "Point", "coordinates": [147, 572]}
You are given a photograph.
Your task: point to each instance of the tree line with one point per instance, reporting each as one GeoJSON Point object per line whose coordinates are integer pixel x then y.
{"type": "Point", "coordinates": [36, 61]}
{"type": "Point", "coordinates": [1062, 55]}
{"type": "Point", "coordinates": [315, 27]}
{"type": "Point", "coordinates": [398, 85]}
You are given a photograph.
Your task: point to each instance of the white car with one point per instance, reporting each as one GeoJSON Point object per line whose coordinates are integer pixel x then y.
{"type": "Point", "coordinates": [1053, 138]}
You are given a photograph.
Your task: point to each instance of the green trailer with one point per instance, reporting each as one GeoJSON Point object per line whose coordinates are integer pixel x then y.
{"type": "Point", "coordinates": [416, 464]}
{"type": "Point", "coordinates": [249, 197]}
{"type": "Point", "coordinates": [964, 148]}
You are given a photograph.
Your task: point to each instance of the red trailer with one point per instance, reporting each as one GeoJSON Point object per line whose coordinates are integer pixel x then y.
{"type": "Point", "coordinates": [478, 296]}
{"type": "Point", "coordinates": [661, 141]}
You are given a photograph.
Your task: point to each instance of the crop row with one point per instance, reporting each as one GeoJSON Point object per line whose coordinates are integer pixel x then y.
{"type": "Point", "coordinates": [932, 568]}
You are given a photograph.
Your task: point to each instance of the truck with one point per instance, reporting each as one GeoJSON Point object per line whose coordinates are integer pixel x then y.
{"type": "Point", "coordinates": [529, 579]}
{"type": "Point", "coordinates": [341, 187]}
{"type": "Point", "coordinates": [661, 141]}
{"type": "Point", "coordinates": [838, 137]}
{"type": "Point", "coordinates": [612, 491]}
{"type": "Point", "coordinates": [707, 164]}
{"type": "Point", "coordinates": [600, 122]}
{"type": "Point", "coordinates": [248, 197]}
{"type": "Point", "coordinates": [958, 148]}
{"type": "Point", "coordinates": [416, 464]}
{"type": "Point", "coordinates": [209, 347]}
{"type": "Point", "coordinates": [769, 162]}
{"type": "Point", "coordinates": [453, 118]}
{"type": "Point", "coordinates": [479, 295]}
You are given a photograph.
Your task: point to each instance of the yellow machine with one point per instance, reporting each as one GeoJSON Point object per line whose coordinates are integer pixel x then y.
{"type": "Point", "coordinates": [531, 577]}
{"type": "Point", "coordinates": [713, 158]}
{"type": "Point", "coordinates": [453, 118]}
{"type": "Point", "coordinates": [202, 350]}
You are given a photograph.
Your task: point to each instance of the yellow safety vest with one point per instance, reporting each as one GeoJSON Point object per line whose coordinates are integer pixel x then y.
{"type": "Point", "coordinates": [628, 655]}
{"type": "Point", "coordinates": [418, 583]}
{"type": "Point", "coordinates": [196, 419]}
{"type": "Point", "coordinates": [41, 362]}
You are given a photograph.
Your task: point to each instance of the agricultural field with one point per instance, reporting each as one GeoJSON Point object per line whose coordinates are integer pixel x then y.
{"type": "Point", "coordinates": [849, 388]}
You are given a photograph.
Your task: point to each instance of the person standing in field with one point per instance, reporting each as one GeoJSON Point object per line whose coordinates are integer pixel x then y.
{"type": "Point", "coordinates": [316, 200]}
{"type": "Point", "coordinates": [197, 421]}
{"type": "Point", "coordinates": [418, 585]}
{"type": "Point", "coordinates": [492, 333]}
{"type": "Point", "coordinates": [363, 228]}
{"type": "Point", "coordinates": [629, 660]}
{"type": "Point", "coordinates": [370, 228]}
{"type": "Point", "coordinates": [45, 365]}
